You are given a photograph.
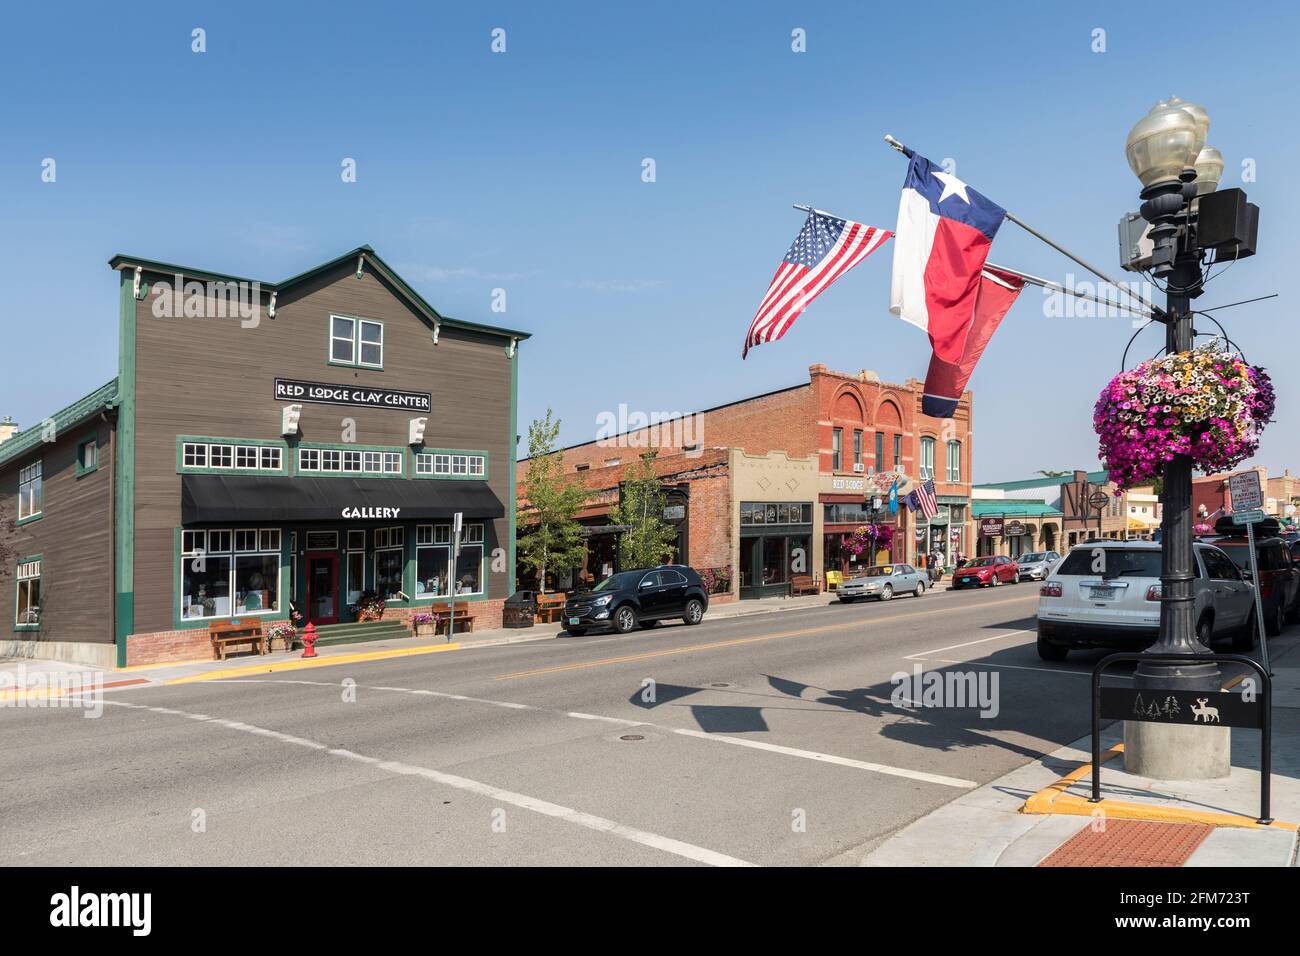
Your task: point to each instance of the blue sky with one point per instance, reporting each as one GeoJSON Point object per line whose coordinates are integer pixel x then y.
{"type": "Point", "coordinates": [522, 171]}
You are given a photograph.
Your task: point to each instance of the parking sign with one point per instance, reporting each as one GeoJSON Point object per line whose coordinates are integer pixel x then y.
{"type": "Point", "coordinates": [1244, 492]}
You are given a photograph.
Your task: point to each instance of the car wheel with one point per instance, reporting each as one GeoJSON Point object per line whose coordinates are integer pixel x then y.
{"type": "Point", "coordinates": [694, 612]}
{"type": "Point", "coordinates": [575, 631]}
{"type": "Point", "coordinates": [1273, 623]}
{"type": "Point", "coordinates": [920, 588]}
{"type": "Point", "coordinates": [624, 619]}
{"type": "Point", "coordinates": [887, 592]}
{"type": "Point", "coordinates": [1244, 639]}
{"type": "Point", "coordinates": [1049, 651]}
{"type": "Point", "coordinates": [1205, 631]}
{"type": "Point", "coordinates": [646, 625]}
{"type": "Point", "coordinates": [995, 581]}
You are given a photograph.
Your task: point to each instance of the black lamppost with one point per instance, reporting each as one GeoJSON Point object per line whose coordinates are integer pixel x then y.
{"type": "Point", "coordinates": [1167, 152]}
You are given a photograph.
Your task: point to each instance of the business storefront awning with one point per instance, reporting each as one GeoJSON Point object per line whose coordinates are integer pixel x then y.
{"type": "Point", "coordinates": [206, 499]}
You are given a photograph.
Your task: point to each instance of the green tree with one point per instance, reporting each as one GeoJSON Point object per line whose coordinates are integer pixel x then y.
{"type": "Point", "coordinates": [648, 540]}
{"type": "Point", "coordinates": [551, 539]}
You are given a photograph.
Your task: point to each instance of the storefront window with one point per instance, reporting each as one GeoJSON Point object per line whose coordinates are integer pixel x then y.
{"type": "Point", "coordinates": [431, 570]}
{"type": "Point", "coordinates": [356, 582]}
{"type": "Point", "coordinates": [469, 570]}
{"type": "Point", "coordinates": [388, 573]}
{"type": "Point", "coordinates": [774, 561]}
{"type": "Point", "coordinates": [217, 583]}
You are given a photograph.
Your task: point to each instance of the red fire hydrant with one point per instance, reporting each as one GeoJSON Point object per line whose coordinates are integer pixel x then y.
{"type": "Point", "coordinates": [309, 641]}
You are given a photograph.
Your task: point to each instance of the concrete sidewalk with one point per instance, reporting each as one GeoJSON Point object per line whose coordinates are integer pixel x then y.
{"type": "Point", "coordinates": [1027, 815]}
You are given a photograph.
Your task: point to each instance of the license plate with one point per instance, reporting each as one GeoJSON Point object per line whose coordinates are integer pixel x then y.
{"type": "Point", "coordinates": [1103, 593]}
{"type": "Point", "coordinates": [573, 620]}
{"type": "Point", "coordinates": [965, 580]}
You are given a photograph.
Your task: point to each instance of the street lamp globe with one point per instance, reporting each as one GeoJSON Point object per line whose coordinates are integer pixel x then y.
{"type": "Point", "coordinates": [1166, 141]}
{"type": "Point", "coordinates": [1209, 170]}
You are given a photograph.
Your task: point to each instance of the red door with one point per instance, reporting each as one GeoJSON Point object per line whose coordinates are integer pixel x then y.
{"type": "Point", "coordinates": [323, 588]}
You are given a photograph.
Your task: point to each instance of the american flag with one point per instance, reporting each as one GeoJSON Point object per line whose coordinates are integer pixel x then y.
{"type": "Point", "coordinates": [926, 500]}
{"type": "Point", "coordinates": [824, 250]}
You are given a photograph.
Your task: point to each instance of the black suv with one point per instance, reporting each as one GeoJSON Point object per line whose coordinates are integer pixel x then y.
{"type": "Point", "coordinates": [638, 598]}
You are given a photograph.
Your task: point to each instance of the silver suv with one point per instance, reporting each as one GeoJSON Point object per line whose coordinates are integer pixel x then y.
{"type": "Point", "coordinates": [1107, 594]}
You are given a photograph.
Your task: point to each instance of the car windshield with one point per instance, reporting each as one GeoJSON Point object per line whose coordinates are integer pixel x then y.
{"type": "Point", "coordinates": [616, 582]}
{"type": "Point", "coordinates": [1112, 562]}
{"type": "Point", "coordinates": [980, 563]}
{"type": "Point", "coordinates": [878, 571]}
{"type": "Point", "coordinates": [1033, 556]}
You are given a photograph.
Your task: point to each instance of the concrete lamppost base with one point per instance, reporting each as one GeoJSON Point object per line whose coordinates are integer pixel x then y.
{"type": "Point", "coordinates": [1177, 751]}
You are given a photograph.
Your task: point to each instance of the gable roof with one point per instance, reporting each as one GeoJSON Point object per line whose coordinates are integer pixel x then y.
{"type": "Point", "coordinates": [413, 298]}
{"type": "Point", "coordinates": [101, 398]}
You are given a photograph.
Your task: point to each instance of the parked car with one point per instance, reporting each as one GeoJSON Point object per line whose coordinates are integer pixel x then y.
{"type": "Point", "coordinates": [1107, 594]}
{"type": "Point", "coordinates": [1037, 565]}
{"type": "Point", "coordinates": [1279, 577]}
{"type": "Point", "coordinates": [882, 582]}
{"type": "Point", "coordinates": [643, 598]}
{"type": "Point", "coordinates": [991, 571]}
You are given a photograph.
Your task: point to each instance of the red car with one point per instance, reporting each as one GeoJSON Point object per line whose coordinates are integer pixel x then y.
{"type": "Point", "coordinates": [990, 571]}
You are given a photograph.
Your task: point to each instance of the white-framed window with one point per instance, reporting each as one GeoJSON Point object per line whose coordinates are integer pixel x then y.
{"type": "Point", "coordinates": [271, 458]}
{"type": "Point", "coordinates": [392, 463]}
{"type": "Point", "coordinates": [352, 461]}
{"type": "Point", "coordinates": [229, 572]}
{"type": "Point", "coordinates": [246, 456]}
{"type": "Point", "coordinates": [389, 537]}
{"type": "Point", "coordinates": [356, 342]}
{"type": "Point", "coordinates": [194, 455]}
{"type": "Point", "coordinates": [346, 461]}
{"type": "Point", "coordinates": [954, 461]}
{"type": "Point", "coordinates": [372, 461]}
{"type": "Point", "coordinates": [446, 463]}
{"type": "Point", "coordinates": [27, 606]}
{"type": "Point", "coordinates": [221, 456]}
{"type": "Point", "coordinates": [469, 562]}
{"type": "Point", "coordinates": [389, 564]}
{"type": "Point", "coordinates": [927, 458]}
{"type": "Point", "coordinates": [356, 540]}
{"type": "Point", "coordinates": [354, 565]}
{"type": "Point", "coordinates": [331, 459]}
{"type": "Point", "coordinates": [433, 560]}
{"type": "Point", "coordinates": [30, 494]}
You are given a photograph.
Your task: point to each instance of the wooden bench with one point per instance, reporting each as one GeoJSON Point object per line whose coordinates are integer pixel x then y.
{"type": "Point", "coordinates": [236, 631]}
{"type": "Point", "coordinates": [804, 584]}
{"type": "Point", "coordinates": [550, 607]}
{"type": "Point", "coordinates": [461, 615]}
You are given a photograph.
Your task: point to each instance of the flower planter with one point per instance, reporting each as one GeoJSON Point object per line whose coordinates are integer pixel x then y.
{"type": "Point", "coordinates": [425, 630]}
{"type": "Point", "coordinates": [1206, 403]}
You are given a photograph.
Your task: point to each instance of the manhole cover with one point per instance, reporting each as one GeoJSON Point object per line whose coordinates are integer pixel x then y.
{"type": "Point", "coordinates": [632, 737]}
{"type": "Point", "coordinates": [721, 683]}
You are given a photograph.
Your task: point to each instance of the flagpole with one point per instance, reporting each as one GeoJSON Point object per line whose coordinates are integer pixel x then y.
{"type": "Point", "coordinates": [1156, 311]}
{"type": "Point", "coordinates": [1027, 277]}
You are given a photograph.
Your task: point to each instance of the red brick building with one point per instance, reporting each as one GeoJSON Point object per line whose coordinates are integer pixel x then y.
{"type": "Point", "coordinates": [771, 484]}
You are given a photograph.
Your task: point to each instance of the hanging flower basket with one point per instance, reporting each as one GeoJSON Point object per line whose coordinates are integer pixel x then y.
{"type": "Point", "coordinates": [869, 538]}
{"type": "Point", "coordinates": [1206, 403]}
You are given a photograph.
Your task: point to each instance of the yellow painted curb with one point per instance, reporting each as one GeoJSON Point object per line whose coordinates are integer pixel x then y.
{"type": "Point", "coordinates": [303, 664]}
{"type": "Point", "coordinates": [1054, 799]}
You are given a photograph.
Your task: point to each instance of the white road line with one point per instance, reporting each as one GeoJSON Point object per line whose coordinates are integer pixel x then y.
{"type": "Point", "coordinates": [698, 734]}
{"type": "Point", "coordinates": [1021, 667]}
{"type": "Point", "coordinates": [953, 647]}
{"type": "Point", "coordinates": [592, 822]}
{"type": "Point", "coordinates": [830, 758]}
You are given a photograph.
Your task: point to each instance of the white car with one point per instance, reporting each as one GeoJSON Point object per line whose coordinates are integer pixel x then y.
{"type": "Point", "coordinates": [1107, 594]}
{"type": "Point", "coordinates": [1037, 565]}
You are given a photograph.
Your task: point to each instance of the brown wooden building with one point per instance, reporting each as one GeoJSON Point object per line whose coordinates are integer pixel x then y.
{"type": "Point", "coordinates": [265, 446]}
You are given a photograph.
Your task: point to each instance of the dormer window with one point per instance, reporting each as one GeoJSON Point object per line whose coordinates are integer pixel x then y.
{"type": "Point", "coordinates": [357, 342]}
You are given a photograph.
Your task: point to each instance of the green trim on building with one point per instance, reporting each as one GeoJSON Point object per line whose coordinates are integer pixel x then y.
{"type": "Point", "coordinates": [29, 519]}
{"type": "Point", "coordinates": [82, 470]}
{"type": "Point", "coordinates": [512, 478]}
{"type": "Point", "coordinates": [23, 560]}
{"type": "Point", "coordinates": [64, 420]}
{"type": "Point", "coordinates": [1094, 477]}
{"type": "Point", "coordinates": [183, 469]}
{"type": "Point", "coordinates": [178, 587]}
{"type": "Point", "coordinates": [400, 450]}
{"type": "Point", "coordinates": [124, 470]}
{"type": "Point", "coordinates": [487, 463]}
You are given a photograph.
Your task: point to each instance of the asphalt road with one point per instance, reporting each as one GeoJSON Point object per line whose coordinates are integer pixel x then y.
{"type": "Point", "coordinates": [769, 739]}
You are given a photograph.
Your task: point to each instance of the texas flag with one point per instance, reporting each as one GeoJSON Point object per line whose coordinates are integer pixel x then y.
{"type": "Point", "coordinates": [945, 381]}
{"type": "Point", "coordinates": [944, 232]}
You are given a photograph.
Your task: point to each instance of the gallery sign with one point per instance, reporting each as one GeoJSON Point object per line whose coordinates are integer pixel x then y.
{"type": "Point", "coordinates": [323, 393]}
{"type": "Point", "coordinates": [370, 512]}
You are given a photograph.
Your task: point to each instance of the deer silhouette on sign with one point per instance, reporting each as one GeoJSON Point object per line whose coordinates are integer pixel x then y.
{"type": "Point", "coordinates": [1203, 711]}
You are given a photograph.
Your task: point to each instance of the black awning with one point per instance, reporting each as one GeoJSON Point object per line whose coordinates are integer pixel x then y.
{"type": "Point", "coordinates": [211, 498]}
